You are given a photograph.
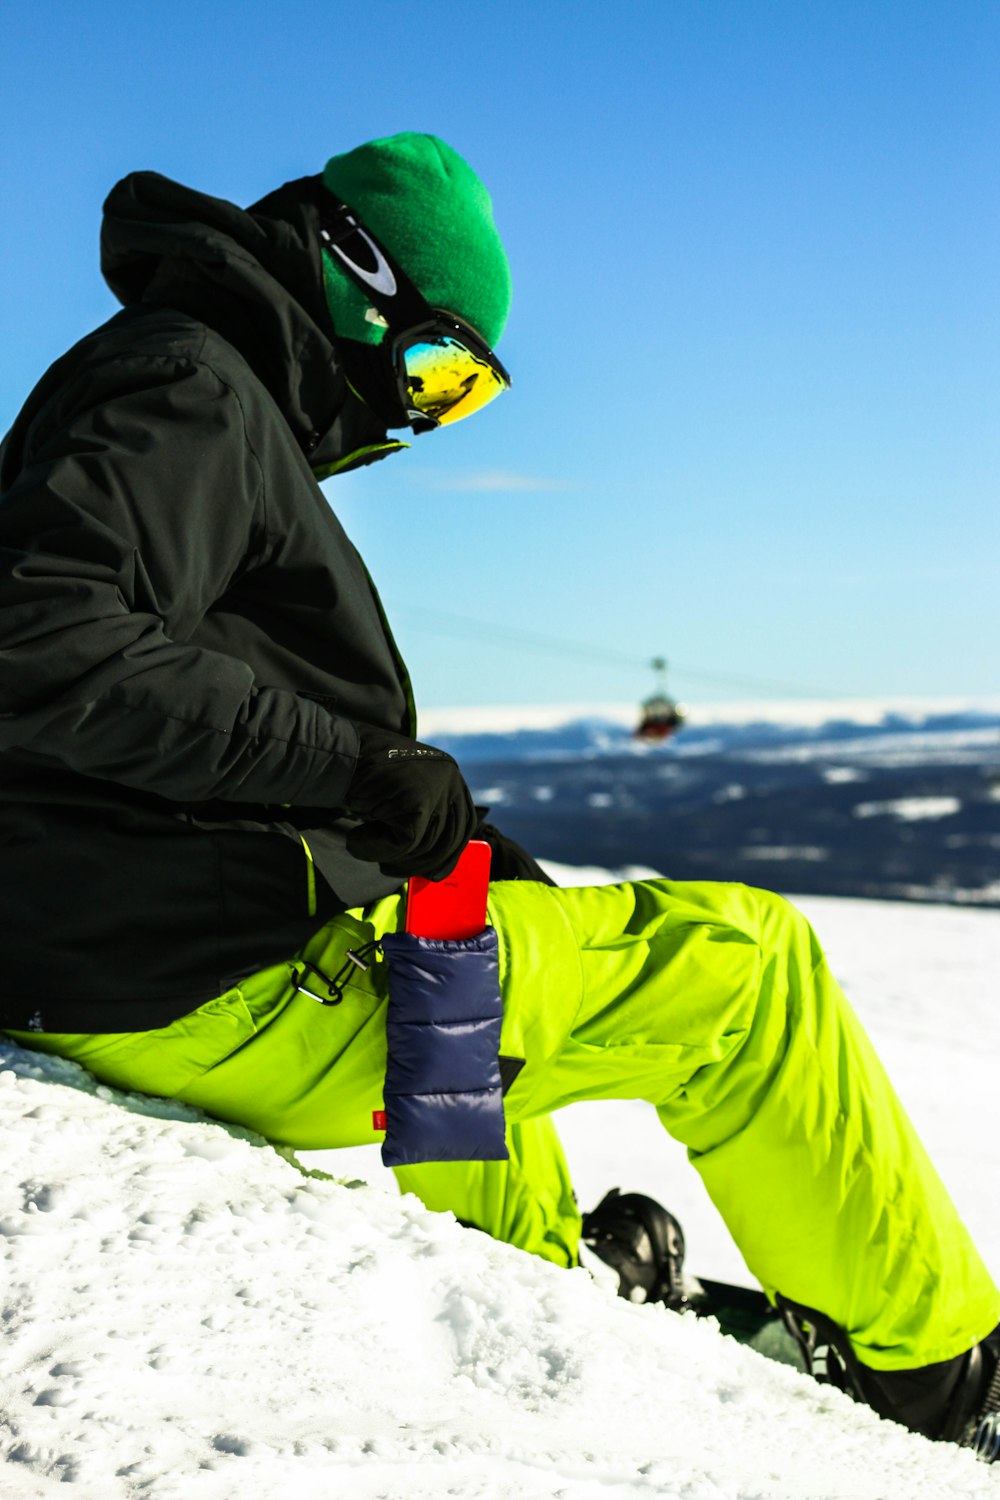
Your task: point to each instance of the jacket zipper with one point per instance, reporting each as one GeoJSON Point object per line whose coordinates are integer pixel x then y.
{"type": "Point", "coordinates": [310, 879]}
{"type": "Point", "coordinates": [404, 676]}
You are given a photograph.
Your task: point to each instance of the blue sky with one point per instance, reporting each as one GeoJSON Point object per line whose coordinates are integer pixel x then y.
{"type": "Point", "coordinates": [754, 424]}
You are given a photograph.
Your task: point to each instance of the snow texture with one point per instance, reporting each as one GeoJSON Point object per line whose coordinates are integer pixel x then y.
{"type": "Point", "coordinates": [187, 1316]}
{"type": "Point", "coordinates": [806, 713]}
{"type": "Point", "coordinates": [910, 809]}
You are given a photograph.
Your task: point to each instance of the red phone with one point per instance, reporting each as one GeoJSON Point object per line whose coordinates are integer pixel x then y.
{"type": "Point", "coordinates": [454, 907]}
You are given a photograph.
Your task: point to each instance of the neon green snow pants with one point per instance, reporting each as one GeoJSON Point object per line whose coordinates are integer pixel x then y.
{"type": "Point", "coordinates": [712, 1002]}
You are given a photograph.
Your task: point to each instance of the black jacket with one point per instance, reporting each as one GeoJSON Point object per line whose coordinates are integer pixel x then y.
{"type": "Point", "coordinates": [186, 633]}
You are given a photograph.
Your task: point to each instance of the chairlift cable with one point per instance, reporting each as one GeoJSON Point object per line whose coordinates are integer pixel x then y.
{"type": "Point", "coordinates": [445, 622]}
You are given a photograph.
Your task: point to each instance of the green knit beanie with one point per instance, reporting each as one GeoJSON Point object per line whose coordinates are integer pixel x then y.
{"type": "Point", "coordinates": [430, 210]}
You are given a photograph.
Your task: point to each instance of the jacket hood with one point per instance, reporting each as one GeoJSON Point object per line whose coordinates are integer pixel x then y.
{"type": "Point", "coordinates": [253, 275]}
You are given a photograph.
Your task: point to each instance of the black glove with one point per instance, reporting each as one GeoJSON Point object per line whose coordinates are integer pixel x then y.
{"type": "Point", "coordinates": [416, 811]}
{"type": "Point", "coordinates": [510, 861]}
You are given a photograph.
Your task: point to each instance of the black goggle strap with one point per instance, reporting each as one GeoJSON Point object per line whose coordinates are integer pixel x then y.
{"type": "Point", "coordinates": [392, 293]}
{"type": "Point", "coordinates": [371, 267]}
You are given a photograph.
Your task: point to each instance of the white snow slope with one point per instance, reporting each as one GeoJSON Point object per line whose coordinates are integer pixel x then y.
{"type": "Point", "coordinates": [186, 1316]}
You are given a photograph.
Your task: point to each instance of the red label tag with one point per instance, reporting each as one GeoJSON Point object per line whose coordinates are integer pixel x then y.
{"type": "Point", "coordinates": [378, 1119]}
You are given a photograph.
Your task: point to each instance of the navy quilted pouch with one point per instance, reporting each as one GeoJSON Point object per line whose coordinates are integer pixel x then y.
{"type": "Point", "coordinates": [443, 1097]}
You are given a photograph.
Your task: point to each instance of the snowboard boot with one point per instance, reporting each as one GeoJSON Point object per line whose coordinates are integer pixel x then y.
{"type": "Point", "coordinates": [955, 1401]}
{"type": "Point", "coordinates": [642, 1243]}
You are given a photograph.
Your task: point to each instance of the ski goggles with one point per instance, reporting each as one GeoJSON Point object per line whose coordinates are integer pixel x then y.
{"type": "Point", "coordinates": [444, 371]}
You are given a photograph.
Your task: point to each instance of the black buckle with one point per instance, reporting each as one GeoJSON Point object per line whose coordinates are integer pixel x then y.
{"type": "Point", "coordinates": [332, 233]}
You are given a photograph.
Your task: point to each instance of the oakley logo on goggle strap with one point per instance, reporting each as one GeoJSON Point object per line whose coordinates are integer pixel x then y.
{"type": "Point", "coordinates": [378, 275]}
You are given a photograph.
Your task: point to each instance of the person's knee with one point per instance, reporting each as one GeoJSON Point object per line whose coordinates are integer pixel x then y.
{"type": "Point", "coordinates": [784, 931]}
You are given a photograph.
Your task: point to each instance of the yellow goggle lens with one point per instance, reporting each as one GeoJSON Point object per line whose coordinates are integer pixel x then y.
{"type": "Point", "coordinates": [446, 381]}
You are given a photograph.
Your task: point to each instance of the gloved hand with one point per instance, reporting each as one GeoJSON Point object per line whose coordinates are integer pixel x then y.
{"type": "Point", "coordinates": [509, 860]}
{"type": "Point", "coordinates": [416, 811]}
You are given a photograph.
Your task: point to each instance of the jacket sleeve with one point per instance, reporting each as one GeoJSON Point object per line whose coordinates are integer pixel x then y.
{"type": "Point", "coordinates": [129, 518]}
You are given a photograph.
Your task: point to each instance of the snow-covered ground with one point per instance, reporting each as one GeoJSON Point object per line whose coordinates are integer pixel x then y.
{"type": "Point", "coordinates": [185, 1315]}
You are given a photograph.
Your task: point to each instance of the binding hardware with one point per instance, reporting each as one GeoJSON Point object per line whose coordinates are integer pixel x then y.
{"type": "Point", "coordinates": [986, 1443]}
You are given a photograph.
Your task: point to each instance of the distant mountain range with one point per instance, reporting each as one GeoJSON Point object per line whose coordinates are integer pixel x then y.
{"type": "Point", "coordinates": [886, 800]}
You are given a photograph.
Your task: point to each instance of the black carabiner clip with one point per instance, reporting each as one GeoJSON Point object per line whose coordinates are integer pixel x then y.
{"type": "Point", "coordinates": [335, 986]}
{"type": "Point", "coordinates": [333, 995]}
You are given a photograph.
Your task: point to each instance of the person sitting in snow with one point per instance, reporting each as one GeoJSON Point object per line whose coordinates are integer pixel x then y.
{"type": "Point", "coordinates": [212, 788]}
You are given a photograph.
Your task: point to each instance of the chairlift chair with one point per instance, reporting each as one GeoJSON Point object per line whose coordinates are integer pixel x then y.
{"type": "Point", "coordinates": [660, 715]}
